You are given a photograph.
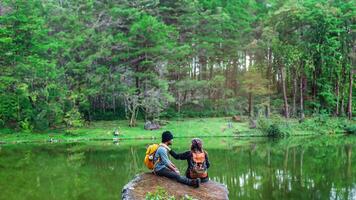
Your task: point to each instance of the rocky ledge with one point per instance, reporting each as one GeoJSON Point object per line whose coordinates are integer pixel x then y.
{"type": "Point", "coordinates": [137, 188]}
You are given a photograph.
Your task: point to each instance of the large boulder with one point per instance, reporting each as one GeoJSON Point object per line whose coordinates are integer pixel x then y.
{"type": "Point", "coordinates": [137, 188]}
{"type": "Point", "coordinates": [253, 124]}
{"type": "Point", "coordinates": [236, 118]}
{"type": "Point", "coordinates": [152, 125]}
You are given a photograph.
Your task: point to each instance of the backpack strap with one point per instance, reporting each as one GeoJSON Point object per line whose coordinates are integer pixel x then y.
{"type": "Point", "coordinates": [165, 146]}
{"type": "Point", "coordinates": [158, 159]}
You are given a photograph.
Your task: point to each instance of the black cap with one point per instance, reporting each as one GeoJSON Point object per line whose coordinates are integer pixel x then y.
{"type": "Point", "coordinates": [166, 136]}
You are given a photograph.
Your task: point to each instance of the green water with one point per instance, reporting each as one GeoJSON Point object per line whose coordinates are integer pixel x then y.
{"type": "Point", "coordinates": [295, 168]}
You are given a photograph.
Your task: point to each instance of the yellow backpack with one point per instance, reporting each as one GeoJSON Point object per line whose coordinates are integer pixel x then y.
{"type": "Point", "coordinates": [150, 154]}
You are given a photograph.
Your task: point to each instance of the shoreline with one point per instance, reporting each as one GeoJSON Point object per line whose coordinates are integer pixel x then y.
{"type": "Point", "coordinates": [187, 128]}
{"type": "Point", "coordinates": [71, 140]}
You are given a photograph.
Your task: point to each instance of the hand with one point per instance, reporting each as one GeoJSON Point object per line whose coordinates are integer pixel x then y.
{"type": "Point", "coordinates": [176, 170]}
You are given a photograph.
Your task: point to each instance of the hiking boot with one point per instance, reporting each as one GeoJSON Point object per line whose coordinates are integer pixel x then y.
{"type": "Point", "coordinates": [196, 182]}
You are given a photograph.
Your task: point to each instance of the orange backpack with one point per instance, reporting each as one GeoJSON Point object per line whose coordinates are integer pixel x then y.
{"type": "Point", "coordinates": [198, 169]}
{"type": "Point", "coordinates": [150, 154]}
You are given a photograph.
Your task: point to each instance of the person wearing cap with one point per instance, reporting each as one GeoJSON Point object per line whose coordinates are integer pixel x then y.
{"type": "Point", "coordinates": [165, 167]}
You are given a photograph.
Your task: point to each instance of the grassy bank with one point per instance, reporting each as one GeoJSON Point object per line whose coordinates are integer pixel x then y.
{"type": "Point", "coordinates": [103, 130]}
{"type": "Point", "coordinates": [196, 127]}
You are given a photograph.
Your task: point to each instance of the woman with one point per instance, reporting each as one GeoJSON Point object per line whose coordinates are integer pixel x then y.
{"type": "Point", "coordinates": [197, 158]}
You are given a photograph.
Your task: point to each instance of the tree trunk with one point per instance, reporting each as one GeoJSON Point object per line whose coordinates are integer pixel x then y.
{"type": "Point", "coordinates": [343, 83]}
{"type": "Point", "coordinates": [349, 106]}
{"type": "Point", "coordinates": [194, 69]}
{"type": "Point", "coordinates": [301, 97]}
{"type": "Point", "coordinates": [342, 104]}
{"type": "Point", "coordinates": [269, 83]}
{"type": "Point", "coordinates": [133, 118]}
{"type": "Point", "coordinates": [314, 85]}
{"type": "Point", "coordinates": [202, 69]}
{"type": "Point", "coordinates": [337, 91]}
{"type": "Point", "coordinates": [250, 108]}
{"type": "Point", "coordinates": [211, 71]}
{"type": "Point", "coordinates": [234, 74]}
{"type": "Point", "coordinates": [114, 103]}
{"type": "Point", "coordinates": [286, 111]}
{"type": "Point", "coordinates": [294, 94]}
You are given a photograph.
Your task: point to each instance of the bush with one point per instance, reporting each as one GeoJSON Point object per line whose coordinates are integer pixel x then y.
{"type": "Point", "coordinates": [2, 123]}
{"type": "Point", "coordinates": [70, 133]}
{"type": "Point", "coordinates": [274, 131]}
{"type": "Point", "coordinates": [263, 124]}
{"type": "Point", "coordinates": [26, 126]}
{"type": "Point", "coordinates": [6, 131]}
{"type": "Point", "coordinates": [323, 124]}
{"type": "Point", "coordinates": [274, 127]}
{"type": "Point", "coordinates": [170, 113]}
{"type": "Point", "coordinates": [351, 129]}
{"type": "Point", "coordinates": [73, 118]}
{"type": "Point", "coordinates": [161, 194]}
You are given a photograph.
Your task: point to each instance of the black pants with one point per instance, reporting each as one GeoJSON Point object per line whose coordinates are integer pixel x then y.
{"type": "Point", "coordinates": [203, 180]}
{"type": "Point", "coordinates": [173, 175]}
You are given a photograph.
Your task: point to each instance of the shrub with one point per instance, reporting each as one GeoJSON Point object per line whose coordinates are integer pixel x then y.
{"type": "Point", "coordinates": [351, 129]}
{"type": "Point", "coordinates": [274, 131]}
{"type": "Point", "coordinates": [274, 127]}
{"type": "Point", "coordinates": [6, 131]}
{"type": "Point", "coordinates": [26, 126]}
{"type": "Point", "coordinates": [169, 113]}
{"type": "Point", "coordinates": [2, 123]}
{"type": "Point", "coordinates": [70, 133]}
{"type": "Point", "coordinates": [263, 124]}
{"type": "Point", "coordinates": [161, 194]}
{"type": "Point", "coordinates": [73, 118]}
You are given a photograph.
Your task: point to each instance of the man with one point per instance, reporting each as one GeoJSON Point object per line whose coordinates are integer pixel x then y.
{"type": "Point", "coordinates": [164, 167]}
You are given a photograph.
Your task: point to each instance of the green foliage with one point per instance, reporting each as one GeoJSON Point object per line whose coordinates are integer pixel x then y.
{"type": "Point", "coordinates": [323, 124]}
{"type": "Point", "coordinates": [25, 126]}
{"type": "Point", "coordinates": [62, 63]}
{"type": "Point", "coordinates": [350, 129]}
{"type": "Point", "coordinates": [274, 131]}
{"type": "Point", "coordinates": [274, 127]}
{"type": "Point", "coordinates": [73, 119]}
{"type": "Point", "coordinates": [71, 133]}
{"type": "Point", "coordinates": [161, 194]}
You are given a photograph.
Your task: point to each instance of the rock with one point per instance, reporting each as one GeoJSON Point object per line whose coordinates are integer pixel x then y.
{"type": "Point", "coordinates": [137, 188]}
{"type": "Point", "coordinates": [163, 122]}
{"type": "Point", "coordinates": [236, 118]}
{"type": "Point", "coordinates": [229, 125]}
{"type": "Point", "coordinates": [116, 132]}
{"type": "Point", "coordinates": [152, 125]}
{"type": "Point", "coordinates": [253, 124]}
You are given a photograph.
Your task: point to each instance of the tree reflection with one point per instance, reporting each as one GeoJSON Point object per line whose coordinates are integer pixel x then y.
{"type": "Point", "coordinates": [313, 168]}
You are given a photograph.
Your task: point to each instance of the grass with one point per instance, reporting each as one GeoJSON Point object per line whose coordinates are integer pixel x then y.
{"type": "Point", "coordinates": [103, 130]}
{"type": "Point", "coordinates": [188, 127]}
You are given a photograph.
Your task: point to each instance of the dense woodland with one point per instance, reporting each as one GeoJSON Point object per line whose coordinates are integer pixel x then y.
{"type": "Point", "coordinates": [64, 62]}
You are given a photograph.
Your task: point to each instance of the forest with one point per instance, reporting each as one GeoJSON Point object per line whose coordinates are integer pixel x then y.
{"type": "Point", "coordinates": [70, 62]}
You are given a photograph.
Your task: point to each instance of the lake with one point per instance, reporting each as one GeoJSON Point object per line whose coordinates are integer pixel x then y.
{"type": "Point", "coordinates": [255, 168]}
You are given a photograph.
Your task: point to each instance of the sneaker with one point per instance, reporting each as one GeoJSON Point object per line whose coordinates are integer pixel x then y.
{"type": "Point", "coordinates": [196, 182]}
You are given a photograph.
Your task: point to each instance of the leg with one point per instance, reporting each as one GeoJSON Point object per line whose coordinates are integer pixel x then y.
{"type": "Point", "coordinates": [172, 175]}
{"type": "Point", "coordinates": [204, 180]}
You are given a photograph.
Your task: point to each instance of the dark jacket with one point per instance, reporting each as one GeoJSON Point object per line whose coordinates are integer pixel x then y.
{"type": "Point", "coordinates": [188, 157]}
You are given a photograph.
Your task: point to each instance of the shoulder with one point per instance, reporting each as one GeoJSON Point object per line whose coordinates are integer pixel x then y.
{"type": "Point", "coordinates": [161, 149]}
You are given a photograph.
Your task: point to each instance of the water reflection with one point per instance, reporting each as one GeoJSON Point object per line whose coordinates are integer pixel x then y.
{"type": "Point", "coordinates": [314, 168]}
{"type": "Point", "coordinates": [275, 171]}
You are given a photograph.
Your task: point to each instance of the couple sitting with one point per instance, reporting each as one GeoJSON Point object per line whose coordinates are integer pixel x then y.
{"type": "Point", "coordinates": [197, 159]}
